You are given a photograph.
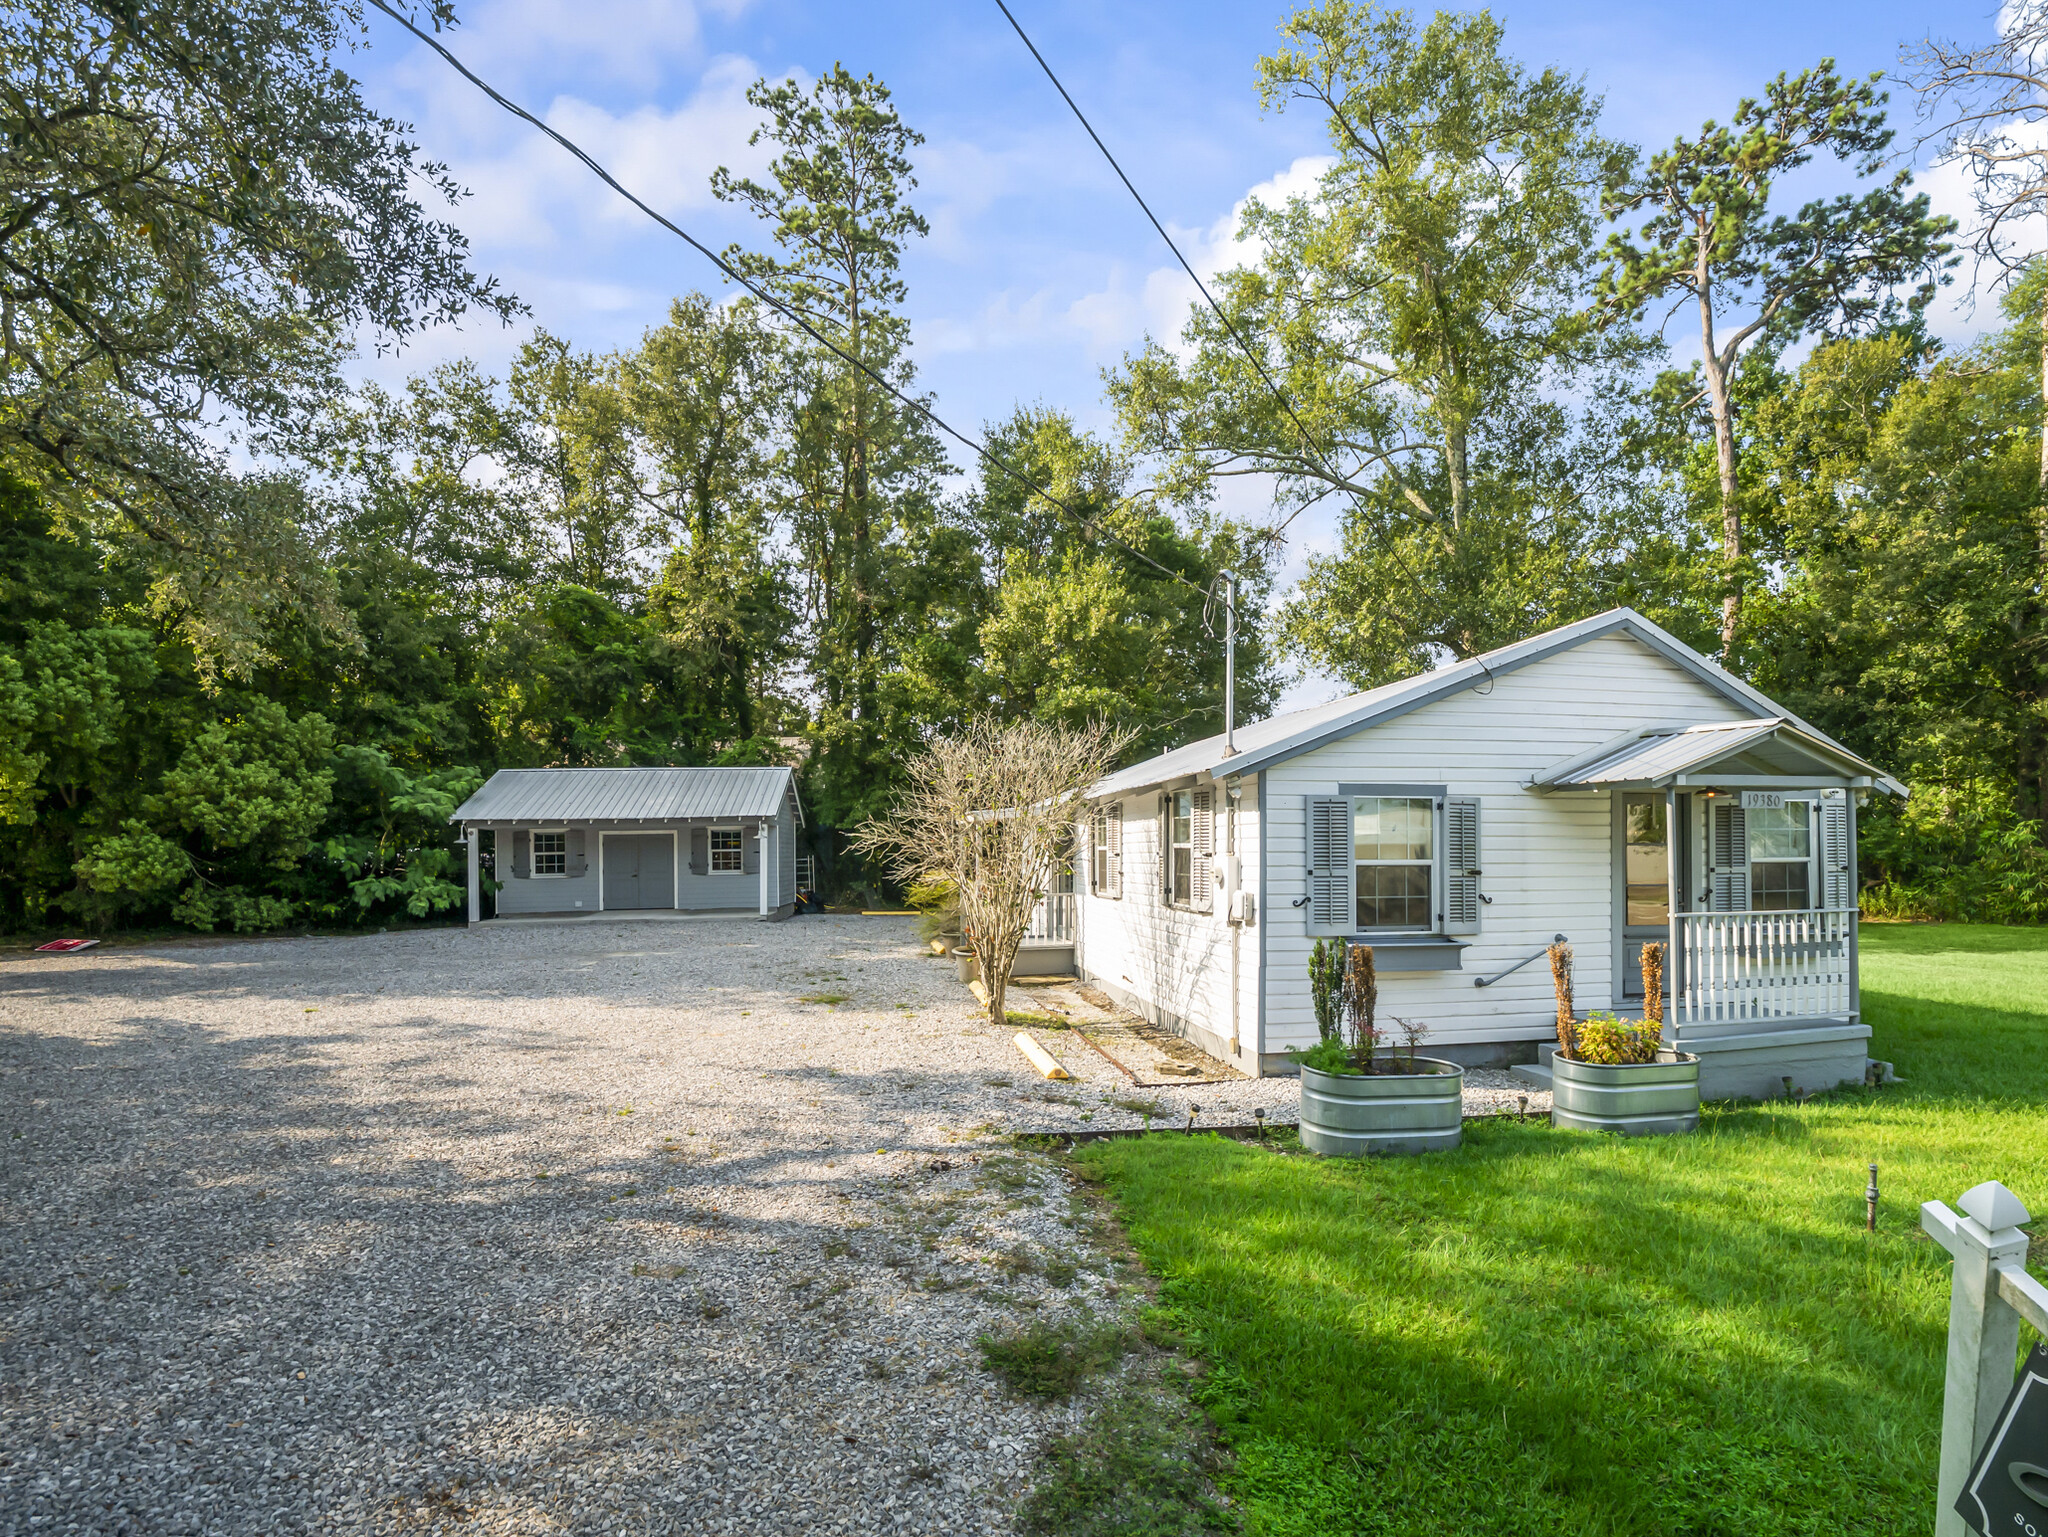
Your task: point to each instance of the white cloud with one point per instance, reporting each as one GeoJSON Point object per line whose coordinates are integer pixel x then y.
{"type": "Point", "coordinates": [626, 41]}
{"type": "Point", "coordinates": [1118, 317]}
{"type": "Point", "coordinates": [529, 191]}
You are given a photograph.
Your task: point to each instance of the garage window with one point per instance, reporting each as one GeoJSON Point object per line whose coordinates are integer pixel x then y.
{"type": "Point", "coordinates": [728, 851]}
{"type": "Point", "coordinates": [551, 853]}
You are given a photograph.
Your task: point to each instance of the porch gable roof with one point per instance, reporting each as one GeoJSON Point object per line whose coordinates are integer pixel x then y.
{"type": "Point", "coordinates": [1767, 751]}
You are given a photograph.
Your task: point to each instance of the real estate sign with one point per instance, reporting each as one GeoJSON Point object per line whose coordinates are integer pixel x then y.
{"type": "Point", "coordinates": [2007, 1493]}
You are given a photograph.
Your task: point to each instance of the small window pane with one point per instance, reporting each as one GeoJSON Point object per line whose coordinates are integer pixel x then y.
{"type": "Point", "coordinates": [1385, 827]}
{"type": "Point", "coordinates": [1183, 875]}
{"type": "Point", "coordinates": [1777, 888]}
{"type": "Point", "coordinates": [1393, 896]}
{"type": "Point", "coordinates": [1782, 834]}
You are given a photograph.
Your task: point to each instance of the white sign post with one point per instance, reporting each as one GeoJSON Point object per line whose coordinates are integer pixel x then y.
{"type": "Point", "coordinates": [1990, 1296]}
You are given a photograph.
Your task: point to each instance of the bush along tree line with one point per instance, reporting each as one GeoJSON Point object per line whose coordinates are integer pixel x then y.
{"type": "Point", "coordinates": [260, 631]}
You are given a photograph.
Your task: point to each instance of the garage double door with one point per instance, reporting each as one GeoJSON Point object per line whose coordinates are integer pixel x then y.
{"type": "Point", "coordinates": [639, 870]}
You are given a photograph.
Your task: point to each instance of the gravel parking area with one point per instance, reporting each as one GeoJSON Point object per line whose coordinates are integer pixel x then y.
{"type": "Point", "coordinates": [684, 1226]}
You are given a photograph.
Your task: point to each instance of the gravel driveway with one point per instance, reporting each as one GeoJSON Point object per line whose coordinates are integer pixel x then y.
{"type": "Point", "coordinates": [588, 1228]}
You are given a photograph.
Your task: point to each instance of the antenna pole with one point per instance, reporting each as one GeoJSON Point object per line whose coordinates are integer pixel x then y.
{"type": "Point", "coordinates": [1230, 666]}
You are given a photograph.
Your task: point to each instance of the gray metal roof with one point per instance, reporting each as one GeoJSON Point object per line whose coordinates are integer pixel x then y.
{"type": "Point", "coordinates": [630, 795]}
{"type": "Point", "coordinates": [1667, 755]}
{"type": "Point", "coordinates": [1264, 743]}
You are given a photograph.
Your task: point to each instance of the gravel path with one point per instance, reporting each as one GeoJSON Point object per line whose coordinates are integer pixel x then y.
{"type": "Point", "coordinates": [618, 1227]}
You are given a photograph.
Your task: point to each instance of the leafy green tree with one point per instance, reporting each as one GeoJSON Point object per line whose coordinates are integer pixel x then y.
{"type": "Point", "coordinates": [393, 845]}
{"type": "Point", "coordinates": [238, 809]}
{"type": "Point", "coordinates": [1077, 629]}
{"type": "Point", "coordinates": [700, 397]}
{"type": "Point", "coordinates": [1408, 310]}
{"type": "Point", "coordinates": [1713, 240]}
{"type": "Point", "coordinates": [200, 209]}
{"type": "Point", "coordinates": [858, 474]}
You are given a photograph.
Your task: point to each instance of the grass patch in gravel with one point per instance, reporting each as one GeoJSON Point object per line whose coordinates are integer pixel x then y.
{"type": "Point", "coordinates": [825, 998]}
{"type": "Point", "coordinates": [1144, 1466]}
{"type": "Point", "coordinates": [1028, 1021]}
{"type": "Point", "coordinates": [1053, 1359]}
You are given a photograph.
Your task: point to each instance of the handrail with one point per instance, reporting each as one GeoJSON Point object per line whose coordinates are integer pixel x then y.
{"type": "Point", "coordinates": [2025, 1296]}
{"type": "Point", "coordinates": [1489, 981]}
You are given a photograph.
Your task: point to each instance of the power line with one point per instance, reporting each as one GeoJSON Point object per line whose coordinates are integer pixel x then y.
{"type": "Point", "coordinates": [1308, 441]}
{"type": "Point", "coordinates": [978, 447]}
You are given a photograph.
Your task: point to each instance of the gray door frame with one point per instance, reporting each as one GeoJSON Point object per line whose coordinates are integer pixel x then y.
{"type": "Point", "coordinates": [675, 879]}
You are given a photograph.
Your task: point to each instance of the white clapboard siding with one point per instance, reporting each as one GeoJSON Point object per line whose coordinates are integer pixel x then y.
{"type": "Point", "coordinates": [1548, 860]}
{"type": "Point", "coordinates": [1173, 963]}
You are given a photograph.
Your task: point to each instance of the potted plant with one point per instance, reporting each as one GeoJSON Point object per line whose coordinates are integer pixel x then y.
{"type": "Point", "coordinates": [1359, 1096]}
{"type": "Point", "coordinates": [1611, 1074]}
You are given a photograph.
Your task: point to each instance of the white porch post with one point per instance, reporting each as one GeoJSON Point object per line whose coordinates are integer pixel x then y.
{"type": "Point", "coordinates": [472, 838]}
{"type": "Point", "coordinates": [1983, 1328]}
{"type": "Point", "coordinates": [761, 833]}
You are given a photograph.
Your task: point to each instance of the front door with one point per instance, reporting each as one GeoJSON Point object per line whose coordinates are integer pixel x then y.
{"type": "Point", "coordinates": [1646, 885]}
{"type": "Point", "coordinates": [639, 871]}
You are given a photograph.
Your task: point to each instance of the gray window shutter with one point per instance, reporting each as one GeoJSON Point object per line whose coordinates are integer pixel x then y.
{"type": "Point", "coordinates": [578, 863]}
{"type": "Point", "coordinates": [1203, 837]}
{"type": "Point", "coordinates": [522, 854]}
{"type": "Point", "coordinates": [1728, 858]}
{"type": "Point", "coordinates": [1116, 849]}
{"type": "Point", "coordinates": [1461, 864]}
{"type": "Point", "coordinates": [1162, 877]}
{"type": "Point", "coordinates": [750, 855]}
{"type": "Point", "coordinates": [1332, 866]}
{"type": "Point", "coordinates": [1838, 861]}
{"type": "Point", "coordinates": [700, 851]}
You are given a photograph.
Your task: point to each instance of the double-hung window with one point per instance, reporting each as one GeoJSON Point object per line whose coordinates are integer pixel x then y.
{"type": "Point", "coordinates": [728, 851]}
{"type": "Point", "coordinates": [1181, 840]}
{"type": "Point", "coordinates": [551, 853]}
{"type": "Point", "coordinates": [1098, 853]}
{"type": "Point", "coordinates": [1781, 857]}
{"type": "Point", "coordinates": [1394, 844]}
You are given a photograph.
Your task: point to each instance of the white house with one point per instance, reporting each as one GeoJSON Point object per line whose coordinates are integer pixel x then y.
{"type": "Point", "coordinates": [1602, 782]}
{"type": "Point", "coordinates": [571, 842]}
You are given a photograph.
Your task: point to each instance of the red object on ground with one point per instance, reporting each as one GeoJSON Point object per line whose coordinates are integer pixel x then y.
{"type": "Point", "coordinates": [66, 946]}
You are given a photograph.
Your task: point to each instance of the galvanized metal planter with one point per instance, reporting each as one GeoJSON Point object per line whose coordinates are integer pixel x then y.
{"type": "Point", "coordinates": [1346, 1116]}
{"type": "Point", "coordinates": [1638, 1099]}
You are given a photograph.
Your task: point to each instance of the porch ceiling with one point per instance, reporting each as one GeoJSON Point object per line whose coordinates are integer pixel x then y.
{"type": "Point", "coordinates": [1746, 752]}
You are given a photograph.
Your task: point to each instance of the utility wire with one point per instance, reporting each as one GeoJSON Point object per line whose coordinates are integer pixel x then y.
{"type": "Point", "coordinates": [980, 449]}
{"type": "Point", "coordinates": [1308, 441]}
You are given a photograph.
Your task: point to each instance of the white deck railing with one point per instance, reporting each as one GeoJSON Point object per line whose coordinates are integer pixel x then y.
{"type": "Point", "coordinates": [1055, 919]}
{"type": "Point", "coordinates": [1757, 965]}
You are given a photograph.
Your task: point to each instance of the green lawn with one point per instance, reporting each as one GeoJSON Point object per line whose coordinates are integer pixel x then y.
{"type": "Point", "coordinates": [1559, 1333]}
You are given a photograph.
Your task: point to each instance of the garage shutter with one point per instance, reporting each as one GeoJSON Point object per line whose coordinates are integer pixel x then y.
{"type": "Point", "coordinates": [1332, 868]}
{"type": "Point", "coordinates": [578, 862]}
{"type": "Point", "coordinates": [522, 854]}
{"type": "Point", "coordinates": [700, 851]}
{"type": "Point", "coordinates": [1461, 865]}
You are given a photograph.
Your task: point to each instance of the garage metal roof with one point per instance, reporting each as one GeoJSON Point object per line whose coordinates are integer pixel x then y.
{"type": "Point", "coordinates": [630, 795]}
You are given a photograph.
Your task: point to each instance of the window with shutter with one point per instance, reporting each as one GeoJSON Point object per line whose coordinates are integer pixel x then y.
{"type": "Point", "coordinates": [1728, 858]}
{"type": "Point", "coordinates": [1116, 850]}
{"type": "Point", "coordinates": [1461, 865]}
{"type": "Point", "coordinates": [1332, 900]}
{"type": "Point", "coordinates": [1838, 855]}
{"type": "Point", "coordinates": [1202, 844]}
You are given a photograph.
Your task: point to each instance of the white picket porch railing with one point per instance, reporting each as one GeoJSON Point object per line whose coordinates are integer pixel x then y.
{"type": "Point", "coordinates": [1055, 920]}
{"type": "Point", "coordinates": [1762, 965]}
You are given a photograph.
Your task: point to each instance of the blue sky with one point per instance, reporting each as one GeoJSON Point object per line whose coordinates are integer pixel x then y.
{"type": "Point", "coordinates": [1039, 271]}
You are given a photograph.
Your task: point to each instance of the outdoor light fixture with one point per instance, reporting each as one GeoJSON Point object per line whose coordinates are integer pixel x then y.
{"type": "Point", "coordinates": [1259, 1115]}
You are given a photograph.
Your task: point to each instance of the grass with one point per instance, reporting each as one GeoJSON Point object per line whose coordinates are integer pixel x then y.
{"type": "Point", "coordinates": [1025, 1019]}
{"type": "Point", "coordinates": [1052, 1360]}
{"type": "Point", "coordinates": [1564, 1332]}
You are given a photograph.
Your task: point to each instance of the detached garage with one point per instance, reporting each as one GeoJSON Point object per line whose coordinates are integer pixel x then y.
{"type": "Point", "coordinates": [581, 841]}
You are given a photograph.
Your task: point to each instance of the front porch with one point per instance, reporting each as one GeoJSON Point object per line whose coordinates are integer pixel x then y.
{"type": "Point", "coordinates": [1735, 850]}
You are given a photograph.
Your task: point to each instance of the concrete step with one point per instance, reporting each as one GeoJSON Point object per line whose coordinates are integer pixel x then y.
{"type": "Point", "coordinates": [1535, 1074]}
